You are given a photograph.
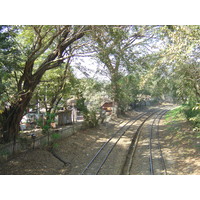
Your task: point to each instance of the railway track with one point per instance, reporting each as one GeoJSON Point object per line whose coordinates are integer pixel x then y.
{"type": "Point", "coordinates": [96, 163]}
{"type": "Point", "coordinates": [153, 155]}
{"type": "Point", "coordinates": [155, 151]}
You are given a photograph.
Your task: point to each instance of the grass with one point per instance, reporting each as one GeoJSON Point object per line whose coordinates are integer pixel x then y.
{"type": "Point", "coordinates": [178, 125]}
{"type": "Point", "coordinates": [174, 115]}
{"type": "Point", "coordinates": [55, 136]}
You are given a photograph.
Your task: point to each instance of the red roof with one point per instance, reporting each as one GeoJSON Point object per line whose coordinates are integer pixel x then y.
{"type": "Point", "coordinates": [108, 104]}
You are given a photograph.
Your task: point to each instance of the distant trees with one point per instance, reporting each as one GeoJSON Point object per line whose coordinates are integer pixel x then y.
{"type": "Point", "coordinates": [91, 94]}
{"type": "Point", "coordinates": [174, 69]}
{"type": "Point", "coordinates": [183, 61]}
{"type": "Point", "coordinates": [119, 48]}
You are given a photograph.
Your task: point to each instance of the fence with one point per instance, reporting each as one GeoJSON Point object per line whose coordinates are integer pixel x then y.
{"type": "Point", "coordinates": [23, 144]}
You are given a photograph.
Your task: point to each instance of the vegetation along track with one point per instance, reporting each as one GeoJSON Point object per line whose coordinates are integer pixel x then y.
{"type": "Point", "coordinates": [96, 163]}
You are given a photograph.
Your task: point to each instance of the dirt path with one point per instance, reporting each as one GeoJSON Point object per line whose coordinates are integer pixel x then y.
{"type": "Point", "coordinates": [181, 148]}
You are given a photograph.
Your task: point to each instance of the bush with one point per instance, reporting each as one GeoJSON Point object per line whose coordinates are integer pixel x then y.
{"type": "Point", "coordinates": [90, 119]}
{"type": "Point", "coordinates": [55, 136]}
{"type": "Point", "coordinates": [45, 123]}
{"type": "Point", "coordinates": [174, 114]}
{"type": "Point", "coordinates": [192, 113]}
{"type": "Point", "coordinates": [90, 116]}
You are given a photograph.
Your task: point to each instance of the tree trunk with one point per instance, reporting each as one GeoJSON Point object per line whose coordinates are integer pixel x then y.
{"type": "Point", "coordinates": [12, 117]}
{"type": "Point", "coordinates": [115, 92]}
{"type": "Point", "coordinates": [11, 124]}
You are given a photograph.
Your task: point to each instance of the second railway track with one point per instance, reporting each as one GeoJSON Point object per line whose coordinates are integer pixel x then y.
{"type": "Point", "coordinates": [156, 160]}
{"type": "Point", "coordinates": [145, 153]}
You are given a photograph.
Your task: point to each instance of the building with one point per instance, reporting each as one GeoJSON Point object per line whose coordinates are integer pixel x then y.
{"type": "Point", "coordinates": [108, 107]}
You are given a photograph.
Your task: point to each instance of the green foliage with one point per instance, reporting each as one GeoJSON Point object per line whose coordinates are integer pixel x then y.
{"type": "Point", "coordinates": [46, 124]}
{"type": "Point", "coordinates": [174, 114]}
{"type": "Point", "coordinates": [55, 136]}
{"type": "Point", "coordinates": [90, 94]}
{"type": "Point", "coordinates": [56, 86]}
{"type": "Point", "coordinates": [154, 60]}
{"type": "Point", "coordinates": [192, 114]}
{"type": "Point", "coordinates": [39, 122]}
{"type": "Point", "coordinates": [80, 104]}
{"type": "Point", "coordinates": [129, 88]}
{"type": "Point", "coordinates": [90, 119]}
{"type": "Point", "coordinates": [90, 116]}
{"type": "Point", "coordinates": [45, 128]}
{"type": "Point", "coordinates": [185, 111]}
{"type": "Point", "coordinates": [50, 117]}
{"type": "Point", "coordinates": [120, 49]}
{"type": "Point", "coordinates": [9, 61]}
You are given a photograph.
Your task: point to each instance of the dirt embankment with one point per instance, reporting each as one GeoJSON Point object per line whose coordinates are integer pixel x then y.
{"type": "Point", "coordinates": [181, 148]}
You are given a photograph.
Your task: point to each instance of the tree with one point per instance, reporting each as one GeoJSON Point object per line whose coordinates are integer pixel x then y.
{"type": "Point", "coordinates": [43, 48]}
{"type": "Point", "coordinates": [54, 89]}
{"type": "Point", "coordinates": [174, 69]}
{"type": "Point", "coordinates": [9, 55]}
{"type": "Point", "coordinates": [182, 52]}
{"type": "Point", "coordinates": [118, 48]}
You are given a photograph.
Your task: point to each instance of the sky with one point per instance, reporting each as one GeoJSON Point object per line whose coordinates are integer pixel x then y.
{"type": "Point", "coordinates": [88, 69]}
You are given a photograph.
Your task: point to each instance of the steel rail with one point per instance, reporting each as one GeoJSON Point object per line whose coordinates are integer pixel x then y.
{"type": "Point", "coordinates": [132, 148]}
{"type": "Point", "coordinates": [150, 145]}
{"type": "Point", "coordinates": [117, 142]}
{"type": "Point", "coordinates": [150, 141]}
{"type": "Point", "coordinates": [94, 157]}
{"type": "Point", "coordinates": [103, 146]}
{"type": "Point", "coordinates": [106, 157]}
{"type": "Point", "coordinates": [159, 146]}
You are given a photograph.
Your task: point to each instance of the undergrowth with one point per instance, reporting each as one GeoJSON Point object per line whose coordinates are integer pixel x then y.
{"type": "Point", "coordinates": [192, 114]}
{"type": "Point", "coordinates": [175, 115]}
{"type": "Point", "coordinates": [185, 111]}
{"type": "Point", "coordinates": [182, 113]}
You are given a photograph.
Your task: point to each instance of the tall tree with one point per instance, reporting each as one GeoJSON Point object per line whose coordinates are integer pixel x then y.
{"type": "Point", "coordinates": [118, 48]}
{"type": "Point", "coordinates": [9, 56]}
{"type": "Point", "coordinates": [55, 87]}
{"type": "Point", "coordinates": [43, 48]}
{"type": "Point", "coordinates": [182, 53]}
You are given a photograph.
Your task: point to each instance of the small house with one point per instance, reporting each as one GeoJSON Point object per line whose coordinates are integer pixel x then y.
{"type": "Point", "coordinates": [108, 106]}
{"type": "Point", "coordinates": [64, 117]}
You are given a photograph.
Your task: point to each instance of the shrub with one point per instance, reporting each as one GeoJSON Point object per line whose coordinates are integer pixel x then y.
{"type": "Point", "coordinates": [192, 113]}
{"type": "Point", "coordinates": [90, 119]}
{"type": "Point", "coordinates": [55, 136]}
{"type": "Point", "coordinates": [45, 123]}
